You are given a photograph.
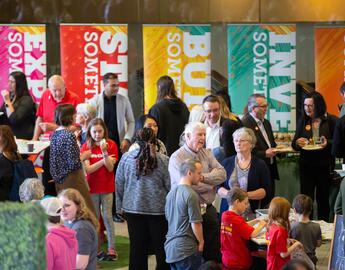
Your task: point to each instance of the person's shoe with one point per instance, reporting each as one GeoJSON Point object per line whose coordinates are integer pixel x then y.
{"type": "Point", "coordinates": [117, 218]}
{"type": "Point", "coordinates": [101, 256]}
{"type": "Point", "coordinates": [111, 255]}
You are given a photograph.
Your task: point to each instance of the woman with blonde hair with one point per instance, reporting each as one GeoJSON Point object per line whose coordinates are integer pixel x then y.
{"type": "Point", "coordinates": [78, 217]}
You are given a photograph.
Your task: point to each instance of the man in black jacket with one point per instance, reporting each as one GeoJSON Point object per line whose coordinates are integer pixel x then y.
{"type": "Point", "coordinates": [255, 120]}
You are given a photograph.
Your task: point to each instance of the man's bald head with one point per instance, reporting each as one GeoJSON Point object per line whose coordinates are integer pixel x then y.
{"type": "Point", "coordinates": [57, 87]}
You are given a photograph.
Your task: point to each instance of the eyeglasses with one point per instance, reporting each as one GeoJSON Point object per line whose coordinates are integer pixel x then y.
{"type": "Point", "coordinates": [309, 106]}
{"type": "Point", "coordinates": [264, 106]}
{"type": "Point", "coordinates": [240, 141]}
{"type": "Point", "coordinates": [212, 111]}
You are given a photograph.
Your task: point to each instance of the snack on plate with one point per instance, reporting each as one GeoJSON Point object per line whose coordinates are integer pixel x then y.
{"type": "Point", "coordinates": [280, 146]}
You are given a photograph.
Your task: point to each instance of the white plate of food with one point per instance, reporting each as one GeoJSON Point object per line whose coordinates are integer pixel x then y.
{"type": "Point", "coordinates": [311, 147]}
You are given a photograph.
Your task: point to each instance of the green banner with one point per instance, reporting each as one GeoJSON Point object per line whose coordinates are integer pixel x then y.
{"type": "Point", "coordinates": [261, 59]}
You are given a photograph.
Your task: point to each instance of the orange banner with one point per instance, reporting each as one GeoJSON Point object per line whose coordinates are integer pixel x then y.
{"type": "Point", "coordinates": [330, 65]}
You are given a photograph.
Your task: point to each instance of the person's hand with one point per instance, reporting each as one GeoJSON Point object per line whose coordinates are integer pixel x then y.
{"type": "Point", "coordinates": [6, 95]}
{"type": "Point", "coordinates": [124, 146]}
{"type": "Point", "coordinates": [112, 159]}
{"type": "Point", "coordinates": [222, 192]}
{"type": "Point", "coordinates": [85, 155]}
{"type": "Point", "coordinates": [201, 247]}
{"type": "Point", "coordinates": [262, 223]}
{"type": "Point", "coordinates": [270, 153]}
{"type": "Point", "coordinates": [104, 145]}
{"type": "Point", "coordinates": [77, 133]}
{"type": "Point", "coordinates": [323, 142]}
{"type": "Point", "coordinates": [301, 142]}
{"type": "Point", "coordinates": [46, 126]}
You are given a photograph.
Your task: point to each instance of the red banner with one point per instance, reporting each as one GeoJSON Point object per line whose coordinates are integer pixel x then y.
{"type": "Point", "coordinates": [90, 51]}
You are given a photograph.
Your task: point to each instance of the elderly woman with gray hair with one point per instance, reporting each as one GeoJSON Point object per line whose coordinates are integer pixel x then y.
{"type": "Point", "coordinates": [31, 190]}
{"type": "Point", "coordinates": [246, 171]}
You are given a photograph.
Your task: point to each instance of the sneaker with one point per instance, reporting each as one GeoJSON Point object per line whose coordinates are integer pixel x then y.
{"type": "Point", "coordinates": [101, 256]}
{"type": "Point", "coordinates": [111, 255]}
{"type": "Point", "coordinates": [117, 218]}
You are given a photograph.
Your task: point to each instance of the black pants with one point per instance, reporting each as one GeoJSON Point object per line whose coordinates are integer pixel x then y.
{"type": "Point", "coordinates": [142, 230]}
{"type": "Point", "coordinates": [49, 185]}
{"type": "Point", "coordinates": [317, 178]}
{"type": "Point", "coordinates": [211, 232]}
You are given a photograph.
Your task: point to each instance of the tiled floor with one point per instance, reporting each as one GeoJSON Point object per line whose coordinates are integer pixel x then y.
{"type": "Point", "coordinates": [322, 252]}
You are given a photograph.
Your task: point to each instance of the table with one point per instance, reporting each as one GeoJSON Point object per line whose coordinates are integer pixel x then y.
{"type": "Point", "coordinates": [39, 146]}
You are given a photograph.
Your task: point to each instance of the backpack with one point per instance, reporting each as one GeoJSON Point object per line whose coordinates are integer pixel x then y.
{"type": "Point", "coordinates": [22, 169]}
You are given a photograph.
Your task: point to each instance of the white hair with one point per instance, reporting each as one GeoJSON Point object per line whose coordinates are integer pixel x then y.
{"type": "Point", "coordinates": [31, 189]}
{"type": "Point", "coordinates": [55, 79]}
{"type": "Point", "coordinates": [87, 110]}
{"type": "Point", "coordinates": [190, 127]}
{"type": "Point", "coordinates": [245, 134]}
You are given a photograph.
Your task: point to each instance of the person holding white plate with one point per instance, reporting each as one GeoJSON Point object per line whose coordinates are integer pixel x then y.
{"type": "Point", "coordinates": [313, 139]}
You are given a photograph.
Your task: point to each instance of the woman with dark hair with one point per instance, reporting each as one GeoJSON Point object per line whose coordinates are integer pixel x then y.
{"type": "Point", "coordinates": [148, 121]}
{"type": "Point", "coordinates": [65, 164]}
{"type": "Point", "coordinates": [18, 107]}
{"type": "Point", "coordinates": [142, 183]}
{"type": "Point", "coordinates": [313, 138]}
{"type": "Point", "coordinates": [8, 154]}
{"type": "Point", "coordinates": [171, 113]}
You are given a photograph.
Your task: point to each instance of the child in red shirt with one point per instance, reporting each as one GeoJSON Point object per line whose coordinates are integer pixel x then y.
{"type": "Point", "coordinates": [100, 176]}
{"type": "Point", "coordinates": [278, 252]}
{"type": "Point", "coordinates": [235, 231]}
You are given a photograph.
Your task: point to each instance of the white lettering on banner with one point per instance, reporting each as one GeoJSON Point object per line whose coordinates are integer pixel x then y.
{"type": "Point", "coordinates": [109, 44]}
{"type": "Point", "coordinates": [260, 63]}
{"type": "Point", "coordinates": [174, 60]}
{"type": "Point", "coordinates": [33, 54]}
{"type": "Point", "coordinates": [91, 78]}
{"type": "Point", "coordinates": [94, 68]}
{"type": "Point", "coordinates": [282, 64]}
{"type": "Point", "coordinates": [15, 51]}
{"type": "Point", "coordinates": [193, 46]}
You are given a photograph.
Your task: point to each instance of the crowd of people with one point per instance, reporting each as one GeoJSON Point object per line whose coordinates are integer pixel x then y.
{"type": "Point", "coordinates": [163, 172]}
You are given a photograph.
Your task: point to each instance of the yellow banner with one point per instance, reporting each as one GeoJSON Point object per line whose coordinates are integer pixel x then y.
{"type": "Point", "coordinates": [182, 52]}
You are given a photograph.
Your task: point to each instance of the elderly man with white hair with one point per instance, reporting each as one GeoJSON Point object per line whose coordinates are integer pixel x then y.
{"type": "Point", "coordinates": [56, 94]}
{"type": "Point", "coordinates": [213, 174]}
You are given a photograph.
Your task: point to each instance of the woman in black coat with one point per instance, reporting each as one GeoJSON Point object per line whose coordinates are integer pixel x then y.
{"type": "Point", "coordinates": [18, 108]}
{"type": "Point", "coordinates": [171, 113]}
{"type": "Point", "coordinates": [313, 138]}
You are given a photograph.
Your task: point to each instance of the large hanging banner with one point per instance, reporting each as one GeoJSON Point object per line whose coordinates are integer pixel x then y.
{"type": "Point", "coordinates": [90, 51]}
{"type": "Point", "coordinates": [261, 59]}
{"type": "Point", "coordinates": [182, 52]}
{"type": "Point", "coordinates": [23, 48]}
{"type": "Point", "coordinates": [330, 65]}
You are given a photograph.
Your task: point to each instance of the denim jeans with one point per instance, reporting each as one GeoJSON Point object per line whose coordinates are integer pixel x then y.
{"type": "Point", "coordinates": [192, 262]}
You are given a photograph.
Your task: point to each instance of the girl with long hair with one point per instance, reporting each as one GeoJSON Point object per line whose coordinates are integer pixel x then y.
{"type": "Point", "coordinates": [77, 216]}
{"type": "Point", "coordinates": [278, 250]}
{"type": "Point", "coordinates": [100, 176]}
